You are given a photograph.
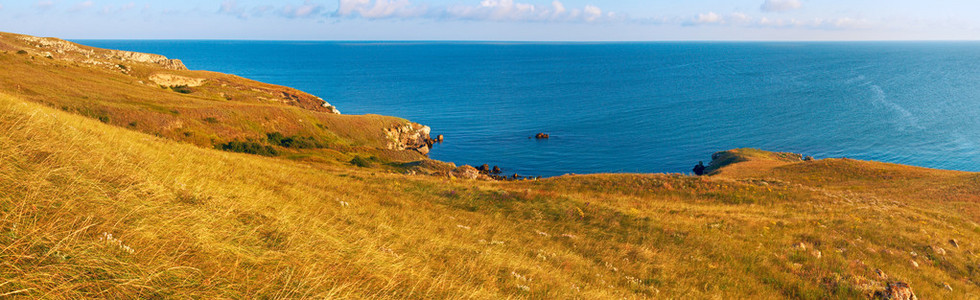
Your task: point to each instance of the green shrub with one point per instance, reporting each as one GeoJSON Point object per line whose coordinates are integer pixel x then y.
{"type": "Point", "coordinates": [21, 52]}
{"type": "Point", "coordinates": [362, 162]}
{"type": "Point", "coordinates": [248, 147]}
{"type": "Point", "coordinates": [275, 138]}
{"type": "Point", "coordinates": [211, 120]}
{"type": "Point", "coordinates": [295, 142]}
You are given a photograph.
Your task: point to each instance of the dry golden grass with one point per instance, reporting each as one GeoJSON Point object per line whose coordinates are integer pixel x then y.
{"type": "Point", "coordinates": [101, 209]}
{"type": "Point", "coordinates": [192, 222]}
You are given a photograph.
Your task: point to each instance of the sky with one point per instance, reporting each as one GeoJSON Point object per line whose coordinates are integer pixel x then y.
{"type": "Point", "coordinates": [497, 20]}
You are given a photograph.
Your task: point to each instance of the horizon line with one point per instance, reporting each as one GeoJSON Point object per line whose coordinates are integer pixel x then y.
{"type": "Point", "coordinates": [518, 41]}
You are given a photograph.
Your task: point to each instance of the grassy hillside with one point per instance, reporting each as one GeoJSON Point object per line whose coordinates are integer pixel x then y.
{"type": "Point", "coordinates": [203, 108]}
{"type": "Point", "coordinates": [90, 208]}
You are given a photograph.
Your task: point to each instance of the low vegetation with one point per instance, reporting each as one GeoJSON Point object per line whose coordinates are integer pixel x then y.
{"type": "Point", "coordinates": [296, 142]}
{"type": "Point", "coordinates": [249, 147]}
{"type": "Point", "coordinates": [364, 162]}
{"type": "Point", "coordinates": [183, 89]}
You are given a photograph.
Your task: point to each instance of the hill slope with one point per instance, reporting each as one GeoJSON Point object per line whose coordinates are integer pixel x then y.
{"type": "Point", "coordinates": [93, 209]}
{"type": "Point", "coordinates": [159, 96]}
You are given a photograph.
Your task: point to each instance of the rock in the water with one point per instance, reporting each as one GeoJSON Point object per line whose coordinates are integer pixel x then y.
{"type": "Point", "coordinates": [699, 168]}
{"type": "Point", "coordinates": [541, 135]}
{"type": "Point", "coordinates": [485, 168]}
{"type": "Point", "coordinates": [439, 138]}
{"type": "Point", "coordinates": [897, 291]}
{"type": "Point", "coordinates": [496, 170]}
{"type": "Point", "coordinates": [466, 172]}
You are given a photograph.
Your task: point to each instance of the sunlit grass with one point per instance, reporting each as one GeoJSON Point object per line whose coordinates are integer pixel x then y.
{"type": "Point", "coordinates": [110, 188]}
{"type": "Point", "coordinates": [91, 210]}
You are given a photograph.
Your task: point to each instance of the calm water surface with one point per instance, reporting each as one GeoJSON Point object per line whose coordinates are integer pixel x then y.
{"type": "Point", "coordinates": [635, 107]}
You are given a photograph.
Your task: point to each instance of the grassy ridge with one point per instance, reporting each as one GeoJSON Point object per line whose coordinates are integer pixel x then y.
{"type": "Point", "coordinates": [198, 222]}
{"type": "Point", "coordinates": [223, 108]}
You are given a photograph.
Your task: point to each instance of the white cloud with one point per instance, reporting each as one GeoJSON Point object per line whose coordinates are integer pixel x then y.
{"type": "Point", "coordinates": [44, 4]}
{"type": "Point", "coordinates": [111, 10]}
{"type": "Point", "coordinates": [379, 9]}
{"type": "Point", "coordinates": [780, 5]}
{"type": "Point", "coordinates": [508, 10]}
{"type": "Point", "coordinates": [81, 6]}
{"type": "Point", "coordinates": [707, 18]}
{"type": "Point", "coordinates": [485, 10]}
{"type": "Point", "coordinates": [592, 13]}
{"type": "Point", "coordinates": [308, 9]}
{"type": "Point", "coordinates": [744, 20]}
{"type": "Point", "coordinates": [230, 7]}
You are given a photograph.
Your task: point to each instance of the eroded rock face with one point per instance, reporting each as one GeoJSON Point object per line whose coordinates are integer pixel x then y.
{"type": "Point", "coordinates": [410, 136]}
{"type": "Point", "coordinates": [176, 80]}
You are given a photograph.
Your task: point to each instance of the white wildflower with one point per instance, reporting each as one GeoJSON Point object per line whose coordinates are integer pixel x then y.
{"type": "Point", "coordinates": [519, 276]}
{"type": "Point", "coordinates": [109, 239]}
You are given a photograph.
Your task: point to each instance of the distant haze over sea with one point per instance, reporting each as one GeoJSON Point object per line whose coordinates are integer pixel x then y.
{"type": "Point", "coordinates": [635, 107]}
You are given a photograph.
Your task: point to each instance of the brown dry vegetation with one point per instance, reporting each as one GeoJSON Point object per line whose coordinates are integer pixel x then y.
{"type": "Point", "coordinates": [89, 209]}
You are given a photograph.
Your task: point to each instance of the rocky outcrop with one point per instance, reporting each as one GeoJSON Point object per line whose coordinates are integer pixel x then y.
{"type": "Point", "coordinates": [332, 109]}
{"type": "Point", "coordinates": [466, 172]}
{"type": "Point", "coordinates": [163, 61]}
{"type": "Point", "coordinates": [409, 136]}
{"type": "Point", "coordinates": [176, 80]}
{"type": "Point", "coordinates": [896, 291]}
{"type": "Point", "coordinates": [58, 46]}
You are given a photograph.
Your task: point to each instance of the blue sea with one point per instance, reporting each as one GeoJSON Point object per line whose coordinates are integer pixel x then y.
{"type": "Point", "coordinates": [635, 107]}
